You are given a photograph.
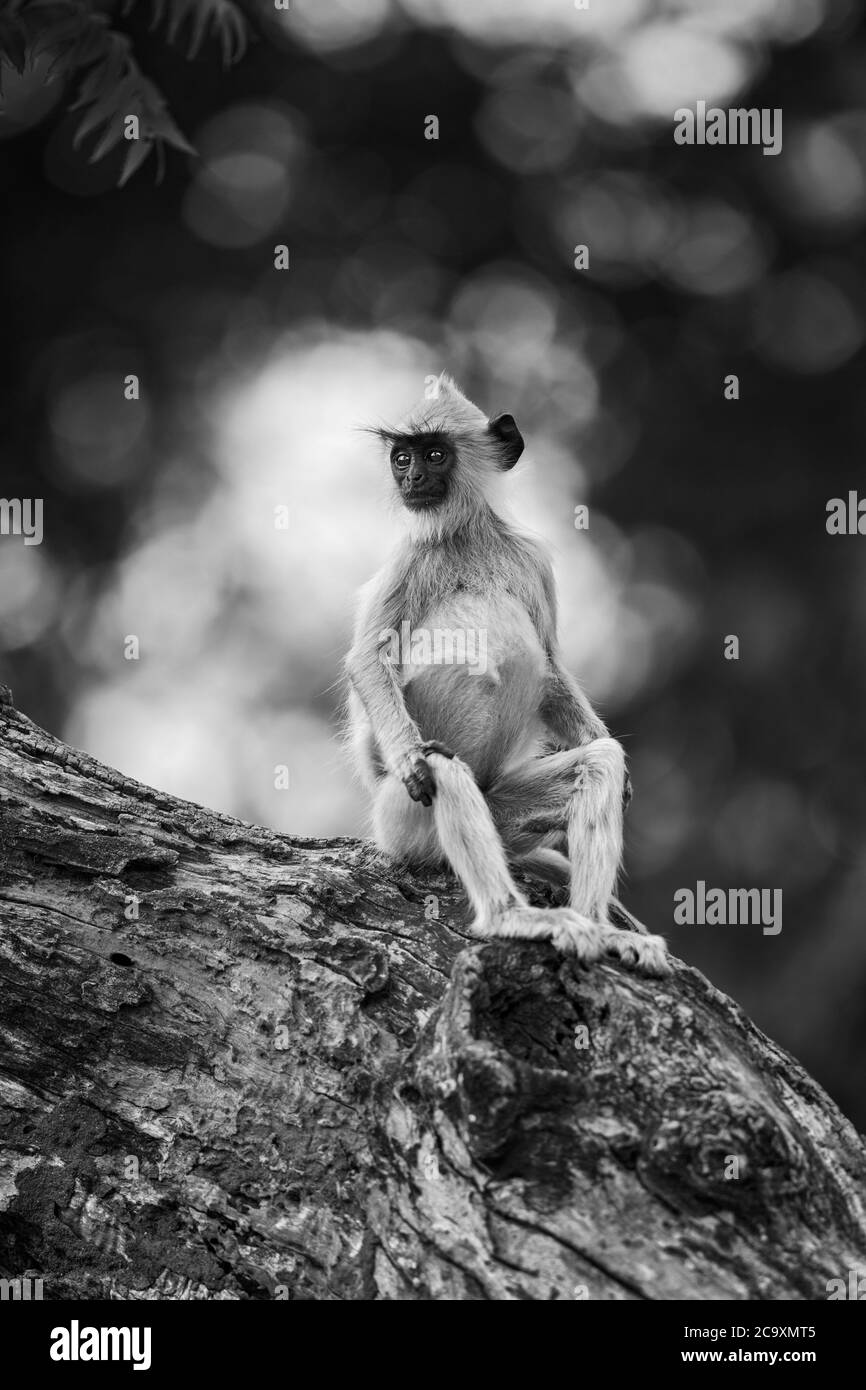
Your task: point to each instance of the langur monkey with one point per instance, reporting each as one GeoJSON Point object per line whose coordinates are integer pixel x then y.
{"type": "Point", "coordinates": [486, 764]}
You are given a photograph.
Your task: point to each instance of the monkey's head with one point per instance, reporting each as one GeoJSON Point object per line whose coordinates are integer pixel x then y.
{"type": "Point", "coordinates": [446, 455]}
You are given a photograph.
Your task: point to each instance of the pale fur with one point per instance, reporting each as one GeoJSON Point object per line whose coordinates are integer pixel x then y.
{"type": "Point", "coordinates": [478, 479]}
{"type": "Point", "coordinates": [506, 794]}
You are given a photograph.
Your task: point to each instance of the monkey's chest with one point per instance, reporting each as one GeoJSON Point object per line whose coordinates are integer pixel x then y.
{"type": "Point", "coordinates": [473, 672]}
{"type": "Point", "coordinates": [467, 635]}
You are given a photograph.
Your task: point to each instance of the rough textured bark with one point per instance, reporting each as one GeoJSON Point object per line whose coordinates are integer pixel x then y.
{"type": "Point", "coordinates": [289, 1077]}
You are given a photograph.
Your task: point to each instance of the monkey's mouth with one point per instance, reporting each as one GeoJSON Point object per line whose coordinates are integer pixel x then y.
{"type": "Point", "coordinates": [422, 501]}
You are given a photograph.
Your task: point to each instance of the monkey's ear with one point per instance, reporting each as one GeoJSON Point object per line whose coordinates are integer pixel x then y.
{"type": "Point", "coordinates": [504, 429]}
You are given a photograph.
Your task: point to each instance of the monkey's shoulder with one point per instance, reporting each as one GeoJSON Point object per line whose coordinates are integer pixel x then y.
{"type": "Point", "coordinates": [504, 555]}
{"type": "Point", "coordinates": [522, 567]}
{"type": "Point", "coordinates": [532, 557]}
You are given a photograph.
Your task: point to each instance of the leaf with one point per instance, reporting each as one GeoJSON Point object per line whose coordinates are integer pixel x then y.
{"type": "Point", "coordinates": [90, 87]}
{"type": "Point", "coordinates": [49, 23]}
{"type": "Point", "coordinates": [234, 31]}
{"type": "Point", "coordinates": [13, 42]}
{"type": "Point", "coordinates": [112, 136]}
{"type": "Point", "coordinates": [101, 110]}
{"type": "Point", "coordinates": [107, 75]}
{"type": "Point", "coordinates": [110, 85]}
{"type": "Point", "coordinates": [222, 18]}
{"type": "Point", "coordinates": [159, 119]}
{"type": "Point", "coordinates": [90, 46]}
{"type": "Point", "coordinates": [175, 137]}
{"type": "Point", "coordinates": [77, 44]}
{"type": "Point", "coordinates": [158, 7]}
{"type": "Point", "coordinates": [64, 31]}
{"type": "Point", "coordinates": [62, 59]}
{"type": "Point", "coordinates": [198, 31]}
{"type": "Point", "coordinates": [136, 155]}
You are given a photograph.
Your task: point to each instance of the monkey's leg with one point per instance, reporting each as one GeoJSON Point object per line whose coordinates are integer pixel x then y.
{"type": "Point", "coordinates": [581, 790]}
{"type": "Point", "coordinates": [472, 846]}
{"type": "Point", "coordinates": [595, 825]}
{"type": "Point", "coordinates": [595, 849]}
{"type": "Point", "coordinates": [461, 827]}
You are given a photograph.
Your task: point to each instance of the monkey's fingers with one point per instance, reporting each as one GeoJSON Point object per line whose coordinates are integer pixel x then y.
{"type": "Point", "coordinates": [420, 782]}
{"type": "Point", "coordinates": [434, 746]}
{"type": "Point", "coordinates": [418, 791]}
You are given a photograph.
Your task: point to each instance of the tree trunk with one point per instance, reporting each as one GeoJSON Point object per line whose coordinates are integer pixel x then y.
{"type": "Point", "coordinates": [237, 1064]}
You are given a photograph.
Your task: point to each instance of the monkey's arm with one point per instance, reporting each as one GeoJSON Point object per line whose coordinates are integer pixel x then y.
{"type": "Point", "coordinates": [565, 709]}
{"type": "Point", "coordinates": [374, 678]}
{"type": "Point", "coordinates": [570, 717]}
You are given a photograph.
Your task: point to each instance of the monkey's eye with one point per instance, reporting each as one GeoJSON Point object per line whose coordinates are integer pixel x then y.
{"type": "Point", "coordinates": [401, 459]}
{"type": "Point", "coordinates": [435, 455]}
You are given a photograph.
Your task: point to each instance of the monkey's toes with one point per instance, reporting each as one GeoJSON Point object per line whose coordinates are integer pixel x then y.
{"type": "Point", "coordinates": [570, 933]}
{"type": "Point", "coordinates": [648, 954]}
{"type": "Point", "coordinates": [574, 936]}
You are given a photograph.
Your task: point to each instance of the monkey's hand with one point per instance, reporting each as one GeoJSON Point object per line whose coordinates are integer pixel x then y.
{"type": "Point", "coordinates": [417, 775]}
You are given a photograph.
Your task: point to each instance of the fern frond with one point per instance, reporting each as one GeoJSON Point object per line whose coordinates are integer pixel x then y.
{"type": "Point", "coordinates": [112, 89]}
{"type": "Point", "coordinates": [110, 86]}
{"type": "Point", "coordinates": [222, 18]}
{"type": "Point", "coordinates": [13, 41]}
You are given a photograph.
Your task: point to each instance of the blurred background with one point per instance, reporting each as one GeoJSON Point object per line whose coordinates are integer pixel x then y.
{"type": "Point", "coordinates": [409, 256]}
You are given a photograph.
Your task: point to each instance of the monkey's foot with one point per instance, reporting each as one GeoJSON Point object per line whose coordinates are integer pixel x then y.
{"type": "Point", "coordinates": [570, 933]}
{"type": "Point", "coordinates": [648, 954]}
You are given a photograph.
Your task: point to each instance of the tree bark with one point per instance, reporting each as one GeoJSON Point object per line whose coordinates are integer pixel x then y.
{"type": "Point", "coordinates": [244, 1065]}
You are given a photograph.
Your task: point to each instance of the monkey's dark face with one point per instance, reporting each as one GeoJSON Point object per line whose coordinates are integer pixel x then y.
{"type": "Point", "coordinates": [424, 463]}
{"type": "Point", "coordinates": [421, 465]}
